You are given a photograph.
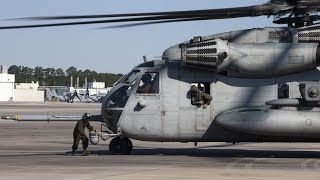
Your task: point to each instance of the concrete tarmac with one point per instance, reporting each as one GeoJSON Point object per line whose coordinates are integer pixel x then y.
{"type": "Point", "coordinates": [41, 150]}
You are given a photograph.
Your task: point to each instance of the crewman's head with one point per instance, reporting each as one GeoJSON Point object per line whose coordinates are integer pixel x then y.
{"type": "Point", "coordinates": [146, 78]}
{"type": "Point", "coordinates": [194, 88]}
{"type": "Point", "coordinates": [86, 116]}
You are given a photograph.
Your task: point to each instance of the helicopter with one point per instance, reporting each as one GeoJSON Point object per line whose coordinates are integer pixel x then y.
{"type": "Point", "coordinates": [252, 85]}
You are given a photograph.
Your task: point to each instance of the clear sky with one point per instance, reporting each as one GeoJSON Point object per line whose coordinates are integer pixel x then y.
{"type": "Point", "coordinates": [107, 50]}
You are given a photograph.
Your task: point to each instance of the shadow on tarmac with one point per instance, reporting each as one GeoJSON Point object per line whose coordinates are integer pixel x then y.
{"type": "Point", "coordinates": [192, 152]}
{"type": "Point", "coordinates": [238, 153]}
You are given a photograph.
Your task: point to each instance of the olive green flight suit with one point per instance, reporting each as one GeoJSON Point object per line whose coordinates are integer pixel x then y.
{"type": "Point", "coordinates": [204, 97]}
{"type": "Point", "coordinates": [78, 133]}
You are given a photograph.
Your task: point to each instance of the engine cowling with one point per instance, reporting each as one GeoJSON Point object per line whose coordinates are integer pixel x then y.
{"type": "Point", "coordinates": [247, 59]}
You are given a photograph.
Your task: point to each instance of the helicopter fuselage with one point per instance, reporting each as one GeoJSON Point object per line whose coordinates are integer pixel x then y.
{"type": "Point", "coordinates": [244, 107]}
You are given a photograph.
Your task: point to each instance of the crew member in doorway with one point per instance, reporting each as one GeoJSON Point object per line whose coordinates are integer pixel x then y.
{"type": "Point", "coordinates": [79, 134]}
{"type": "Point", "coordinates": [199, 97]}
{"type": "Point", "coordinates": [75, 94]}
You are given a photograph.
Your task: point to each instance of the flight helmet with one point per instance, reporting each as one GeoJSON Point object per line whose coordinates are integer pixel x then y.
{"type": "Point", "coordinates": [86, 116]}
{"type": "Point", "coordinates": [146, 78]}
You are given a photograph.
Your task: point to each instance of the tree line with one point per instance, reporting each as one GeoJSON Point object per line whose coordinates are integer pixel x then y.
{"type": "Point", "coordinates": [59, 77]}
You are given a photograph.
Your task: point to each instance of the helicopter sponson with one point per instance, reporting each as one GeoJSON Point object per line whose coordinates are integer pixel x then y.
{"type": "Point", "coordinates": [252, 58]}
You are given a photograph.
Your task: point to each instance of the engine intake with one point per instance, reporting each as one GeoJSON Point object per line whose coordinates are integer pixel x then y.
{"type": "Point", "coordinates": [207, 55]}
{"type": "Point", "coordinates": [256, 60]}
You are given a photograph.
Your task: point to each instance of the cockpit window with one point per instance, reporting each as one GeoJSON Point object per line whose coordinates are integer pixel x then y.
{"type": "Point", "coordinates": [149, 83]}
{"type": "Point", "coordinates": [131, 78]}
{"type": "Point", "coordinates": [119, 98]}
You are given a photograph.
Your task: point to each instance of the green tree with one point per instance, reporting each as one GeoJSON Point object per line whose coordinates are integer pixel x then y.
{"type": "Point", "coordinates": [25, 75]}
{"type": "Point", "coordinates": [14, 69]}
{"type": "Point", "coordinates": [57, 77]}
{"type": "Point", "coordinates": [71, 71]}
{"type": "Point", "coordinates": [38, 71]}
{"type": "Point", "coordinates": [39, 75]}
{"type": "Point", "coordinates": [60, 72]}
{"type": "Point", "coordinates": [86, 72]}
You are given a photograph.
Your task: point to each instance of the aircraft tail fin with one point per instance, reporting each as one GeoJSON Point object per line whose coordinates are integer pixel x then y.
{"type": "Point", "coordinates": [48, 94]}
{"type": "Point", "coordinates": [53, 92]}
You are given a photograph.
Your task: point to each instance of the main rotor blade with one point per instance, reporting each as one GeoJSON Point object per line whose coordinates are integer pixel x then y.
{"type": "Point", "coordinates": [94, 22]}
{"type": "Point", "coordinates": [176, 15]}
{"type": "Point", "coordinates": [273, 8]}
{"type": "Point", "coordinates": [246, 11]}
{"type": "Point", "coordinates": [88, 22]}
{"type": "Point", "coordinates": [155, 22]}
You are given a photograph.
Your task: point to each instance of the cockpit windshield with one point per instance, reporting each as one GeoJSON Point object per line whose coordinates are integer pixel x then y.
{"type": "Point", "coordinates": [131, 78]}
{"type": "Point", "coordinates": [119, 98]}
{"type": "Point", "coordinates": [122, 90]}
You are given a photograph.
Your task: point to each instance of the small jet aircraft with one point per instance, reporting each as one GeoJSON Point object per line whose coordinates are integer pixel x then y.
{"type": "Point", "coordinates": [51, 93]}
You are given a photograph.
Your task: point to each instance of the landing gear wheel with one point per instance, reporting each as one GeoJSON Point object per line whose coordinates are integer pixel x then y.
{"type": "Point", "coordinates": [120, 146]}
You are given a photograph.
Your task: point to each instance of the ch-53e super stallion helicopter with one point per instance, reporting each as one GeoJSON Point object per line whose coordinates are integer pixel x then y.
{"type": "Point", "coordinates": [254, 85]}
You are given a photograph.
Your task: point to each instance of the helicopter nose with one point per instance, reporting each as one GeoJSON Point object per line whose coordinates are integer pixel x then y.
{"type": "Point", "coordinates": [172, 54]}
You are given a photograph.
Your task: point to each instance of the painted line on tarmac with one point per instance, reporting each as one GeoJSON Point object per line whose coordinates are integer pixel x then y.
{"type": "Point", "coordinates": [252, 163]}
{"type": "Point", "coordinates": [235, 163]}
{"type": "Point", "coordinates": [316, 164]}
{"type": "Point", "coordinates": [304, 164]}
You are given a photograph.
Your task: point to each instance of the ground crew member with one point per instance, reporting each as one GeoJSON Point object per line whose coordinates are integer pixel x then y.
{"type": "Point", "coordinates": [75, 94]}
{"type": "Point", "coordinates": [79, 134]}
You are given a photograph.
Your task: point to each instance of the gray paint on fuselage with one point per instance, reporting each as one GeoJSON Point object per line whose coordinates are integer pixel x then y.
{"type": "Point", "coordinates": [169, 115]}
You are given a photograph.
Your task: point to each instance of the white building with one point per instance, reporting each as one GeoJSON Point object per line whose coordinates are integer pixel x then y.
{"type": "Point", "coordinates": [28, 92]}
{"type": "Point", "coordinates": [96, 85]}
{"type": "Point", "coordinates": [95, 88]}
{"type": "Point", "coordinates": [6, 85]}
{"type": "Point", "coordinates": [20, 91]}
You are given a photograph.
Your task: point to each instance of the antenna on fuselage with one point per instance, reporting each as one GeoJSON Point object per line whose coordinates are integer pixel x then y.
{"type": "Point", "coordinates": [145, 59]}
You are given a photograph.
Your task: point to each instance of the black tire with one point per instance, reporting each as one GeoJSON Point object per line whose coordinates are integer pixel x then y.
{"type": "Point", "coordinates": [125, 146]}
{"type": "Point", "coordinates": [120, 146]}
{"type": "Point", "coordinates": [114, 146]}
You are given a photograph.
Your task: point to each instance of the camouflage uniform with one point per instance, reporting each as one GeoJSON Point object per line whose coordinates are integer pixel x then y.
{"type": "Point", "coordinates": [199, 96]}
{"type": "Point", "coordinates": [79, 134]}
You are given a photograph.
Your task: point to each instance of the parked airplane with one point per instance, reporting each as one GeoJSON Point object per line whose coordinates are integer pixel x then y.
{"type": "Point", "coordinates": [51, 93]}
